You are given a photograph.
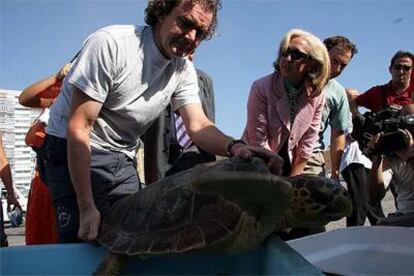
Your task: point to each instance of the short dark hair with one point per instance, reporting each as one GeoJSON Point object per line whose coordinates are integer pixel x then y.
{"type": "Point", "coordinates": [341, 42]}
{"type": "Point", "coordinates": [401, 54]}
{"type": "Point", "coordinates": [158, 9]}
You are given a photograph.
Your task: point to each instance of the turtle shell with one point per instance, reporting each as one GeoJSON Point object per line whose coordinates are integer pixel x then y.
{"type": "Point", "coordinates": [203, 207]}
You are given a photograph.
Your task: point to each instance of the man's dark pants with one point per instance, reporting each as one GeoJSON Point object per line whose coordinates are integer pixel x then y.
{"type": "Point", "coordinates": [356, 178]}
{"type": "Point", "coordinates": [398, 219]}
{"type": "Point", "coordinates": [113, 176]}
{"type": "Point", "coordinates": [3, 237]}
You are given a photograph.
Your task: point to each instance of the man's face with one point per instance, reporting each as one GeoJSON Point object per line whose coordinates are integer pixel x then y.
{"type": "Point", "coordinates": [181, 31]}
{"type": "Point", "coordinates": [401, 70]}
{"type": "Point", "coordinates": [339, 60]}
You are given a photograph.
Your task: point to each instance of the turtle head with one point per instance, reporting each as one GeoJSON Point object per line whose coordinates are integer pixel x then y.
{"type": "Point", "coordinates": [317, 201]}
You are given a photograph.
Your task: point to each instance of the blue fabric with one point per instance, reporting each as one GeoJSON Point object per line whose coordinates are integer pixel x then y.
{"type": "Point", "coordinates": [335, 112]}
{"type": "Point", "coordinates": [113, 176]}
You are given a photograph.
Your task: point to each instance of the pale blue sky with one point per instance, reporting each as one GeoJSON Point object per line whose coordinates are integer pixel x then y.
{"type": "Point", "coordinates": [37, 37]}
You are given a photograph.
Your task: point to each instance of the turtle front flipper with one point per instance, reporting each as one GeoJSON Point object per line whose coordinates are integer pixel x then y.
{"type": "Point", "coordinates": [112, 264]}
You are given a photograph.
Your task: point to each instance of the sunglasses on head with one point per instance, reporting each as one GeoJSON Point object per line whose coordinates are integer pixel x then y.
{"type": "Point", "coordinates": [295, 54]}
{"type": "Point", "coordinates": [404, 67]}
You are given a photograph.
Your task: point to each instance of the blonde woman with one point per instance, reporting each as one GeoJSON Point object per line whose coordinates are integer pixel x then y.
{"type": "Point", "coordinates": [284, 108]}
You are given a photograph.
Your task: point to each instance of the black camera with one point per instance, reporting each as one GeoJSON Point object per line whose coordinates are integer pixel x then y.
{"type": "Point", "coordinates": [388, 121]}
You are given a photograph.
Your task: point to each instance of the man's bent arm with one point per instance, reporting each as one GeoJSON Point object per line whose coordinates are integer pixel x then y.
{"type": "Point", "coordinates": [202, 131]}
{"type": "Point", "coordinates": [338, 141]}
{"type": "Point", "coordinates": [207, 136]}
{"type": "Point", "coordinates": [83, 115]}
{"type": "Point", "coordinates": [376, 188]}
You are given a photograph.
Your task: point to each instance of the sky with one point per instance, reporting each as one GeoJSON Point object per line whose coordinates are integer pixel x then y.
{"type": "Point", "coordinates": [38, 37]}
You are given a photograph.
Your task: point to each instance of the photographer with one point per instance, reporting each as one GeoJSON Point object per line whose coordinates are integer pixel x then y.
{"type": "Point", "coordinates": [397, 91]}
{"type": "Point", "coordinates": [400, 166]}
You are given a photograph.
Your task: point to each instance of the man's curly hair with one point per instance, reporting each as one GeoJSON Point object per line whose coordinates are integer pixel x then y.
{"type": "Point", "coordinates": [158, 9]}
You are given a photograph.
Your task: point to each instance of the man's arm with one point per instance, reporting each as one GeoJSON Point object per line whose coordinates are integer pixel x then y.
{"type": "Point", "coordinates": [376, 187]}
{"type": "Point", "coordinates": [407, 154]}
{"type": "Point", "coordinates": [208, 137]}
{"type": "Point", "coordinates": [83, 115]}
{"type": "Point", "coordinates": [298, 166]}
{"type": "Point", "coordinates": [338, 141]}
{"type": "Point", "coordinates": [6, 176]}
{"type": "Point", "coordinates": [352, 94]}
{"type": "Point", "coordinates": [37, 94]}
{"type": "Point", "coordinates": [203, 132]}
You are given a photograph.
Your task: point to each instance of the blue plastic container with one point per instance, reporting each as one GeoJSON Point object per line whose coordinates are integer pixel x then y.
{"type": "Point", "coordinates": [274, 257]}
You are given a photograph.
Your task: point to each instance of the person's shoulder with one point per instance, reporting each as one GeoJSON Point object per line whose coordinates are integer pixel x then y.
{"type": "Point", "coordinates": [120, 31]}
{"type": "Point", "coordinates": [377, 89]}
{"type": "Point", "coordinates": [263, 81]}
{"type": "Point", "coordinates": [334, 86]}
{"type": "Point", "coordinates": [185, 69]}
{"type": "Point", "coordinates": [261, 87]}
{"type": "Point", "coordinates": [117, 33]}
{"type": "Point", "coordinates": [203, 75]}
{"type": "Point", "coordinates": [334, 91]}
{"type": "Point", "coordinates": [183, 64]}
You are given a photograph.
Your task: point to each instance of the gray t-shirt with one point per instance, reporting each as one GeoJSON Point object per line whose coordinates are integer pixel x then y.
{"type": "Point", "coordinates": [121, 67]}
{"type": "Point", "coordinates": [403, 179]}
{"type": "Point", "coordinates": [335, 111]}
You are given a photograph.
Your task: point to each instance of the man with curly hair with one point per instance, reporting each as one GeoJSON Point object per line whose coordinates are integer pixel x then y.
{"type": "Point", "coordinates": [122, 79]}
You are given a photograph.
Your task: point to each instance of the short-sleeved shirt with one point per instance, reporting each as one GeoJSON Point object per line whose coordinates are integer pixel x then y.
{"type": "Point", "coordinates": [335, 112]}
{"type": "Point", "coordinates": [379, 97]}
{"type": "Point", "coordinates": [352, 154]}
{"type": "Point", "coordinates": [403, 180]}
{"type": "Point", "coordinates": [121, 67]}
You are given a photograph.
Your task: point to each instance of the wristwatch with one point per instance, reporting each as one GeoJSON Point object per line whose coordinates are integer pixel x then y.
{"type": "Point", "coordinates": [231, 144]}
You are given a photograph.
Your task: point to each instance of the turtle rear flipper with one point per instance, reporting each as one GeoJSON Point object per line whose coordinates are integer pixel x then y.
{"type": "Point", "coordinates": [248, 189]}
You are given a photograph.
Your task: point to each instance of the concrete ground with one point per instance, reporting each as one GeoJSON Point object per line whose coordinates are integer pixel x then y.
{"type": "Point", "coordinates": [388, 206]}
{"type": "Point", "coordinates": [15, 236]}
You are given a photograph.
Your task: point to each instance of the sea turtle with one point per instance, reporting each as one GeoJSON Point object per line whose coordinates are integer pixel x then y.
{"type": "Point", "coordinates": [229, 206]}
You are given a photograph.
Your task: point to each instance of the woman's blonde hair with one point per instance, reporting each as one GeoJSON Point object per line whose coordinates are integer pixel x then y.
{"type": "Point", "coordinates": [320, 74]}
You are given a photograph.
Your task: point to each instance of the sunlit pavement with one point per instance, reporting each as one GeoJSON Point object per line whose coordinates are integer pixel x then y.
{"type": "Point", "coordinates": [15, 235]}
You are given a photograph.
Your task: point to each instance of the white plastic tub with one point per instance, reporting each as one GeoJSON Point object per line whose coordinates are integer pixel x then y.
{"type": "Point", "coordinates": [360, 250]}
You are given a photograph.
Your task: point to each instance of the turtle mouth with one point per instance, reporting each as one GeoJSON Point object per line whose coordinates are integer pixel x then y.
{"type": "Point", "coordinates": [337, 210]}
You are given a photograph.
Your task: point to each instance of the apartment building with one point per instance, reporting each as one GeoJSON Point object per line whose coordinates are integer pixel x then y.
{"type": "Point", "coordinates": [15, 121]}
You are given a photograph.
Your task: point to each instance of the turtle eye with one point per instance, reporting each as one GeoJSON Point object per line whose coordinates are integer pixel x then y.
{"type": "Point", "coordinates": [321, 197]}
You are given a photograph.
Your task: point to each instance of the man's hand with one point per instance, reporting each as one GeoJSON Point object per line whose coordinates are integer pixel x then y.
{"type": "Point", "coordinates": [274, 161]}
{"type": "Point", "coordinates": [335, 175]}
{"type": "Point", "coordinates": [371, 145]}
{"type": "Point", "coordinates": [408, 152]}
{"type": "Point", "coordinates": [63, 71]}
{"type": "Point", "coordinates": [12, 200]}
{"type": "Point", "coordinates": [89, 222]}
